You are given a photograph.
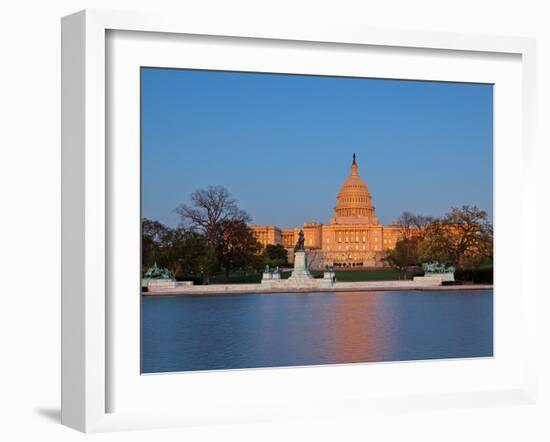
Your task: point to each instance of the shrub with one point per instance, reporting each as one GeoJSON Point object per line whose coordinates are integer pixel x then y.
{"type": "Point", "coordinates": [477, 276]}
{"type": "Point", "coordinates": [451, 282]}
{"type": "Point", "coordinates": [197, 280]}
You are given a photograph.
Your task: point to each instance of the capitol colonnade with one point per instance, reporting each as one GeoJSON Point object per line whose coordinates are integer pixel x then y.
{"type": "Point", "coordinates": [353, 237]}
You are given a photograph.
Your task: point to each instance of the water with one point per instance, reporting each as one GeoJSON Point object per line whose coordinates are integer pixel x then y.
{"type": "Point", "coordinates": [270, 330]}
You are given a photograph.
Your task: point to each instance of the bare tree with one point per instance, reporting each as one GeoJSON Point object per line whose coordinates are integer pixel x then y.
{"type": "Point", "coordinates": [209, 209]}
{"type": "Point", "coordinates": [412, 225]}
{"type": "Point", "coordinates": [413, 228]}
{"type": "Point", "coordinates": [407, 225]}
{"type": "Point", "coordinates": [421, 223]}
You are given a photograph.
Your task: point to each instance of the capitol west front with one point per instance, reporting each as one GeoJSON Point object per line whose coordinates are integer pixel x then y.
{"type": "Point", "coordinates": [353, 238]}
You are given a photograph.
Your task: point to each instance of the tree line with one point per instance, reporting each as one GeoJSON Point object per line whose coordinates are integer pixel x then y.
{"type": "Point", "coordinates": [213, 237]}
{"type": "Point", "coordinates": [462, 238]}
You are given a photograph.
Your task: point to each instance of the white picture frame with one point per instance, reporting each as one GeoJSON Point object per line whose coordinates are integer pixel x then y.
{"type": "Point", "coordinates": [86, 207]}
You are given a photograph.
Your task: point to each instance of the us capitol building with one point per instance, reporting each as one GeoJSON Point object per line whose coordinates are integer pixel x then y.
{"type": "Point", "coordinates": [353, 238]}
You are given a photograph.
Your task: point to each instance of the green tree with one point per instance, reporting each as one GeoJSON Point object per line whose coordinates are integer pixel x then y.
{"type": "Point", "coordinates": [185, 249]}
{"type": "Point", "coordinates": [275, 255]}
{"type": "Point", "coordinates": [176, 249]}
{"type": "Point", "coordinates": [237, 247]}
{"type": "Point", "coordinates": [153, 238]}
{"type": "Point", "coordinates": [207, 264]}
{"type": "Point", "coordinates": [403, 256]}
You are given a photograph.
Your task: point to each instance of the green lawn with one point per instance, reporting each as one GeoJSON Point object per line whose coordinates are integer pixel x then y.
{"type": "Point", "coordinates": [237, 278]}
{"type": "Point", "coordinates": [369, 275]}
{"type": "Point", "coordinates": [341, 275]}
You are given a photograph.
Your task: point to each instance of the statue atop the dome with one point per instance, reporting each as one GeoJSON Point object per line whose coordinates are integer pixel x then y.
{"type": "Point", "coordinates": [300, 244]}
{"type": "Point", "coordinates": [354, 166]}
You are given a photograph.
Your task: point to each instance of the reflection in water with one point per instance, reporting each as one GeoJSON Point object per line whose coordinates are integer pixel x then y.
{"type": "Point", "coordinates": [244, 331]}
{"type": "Point", "coordinates": [358, 329]}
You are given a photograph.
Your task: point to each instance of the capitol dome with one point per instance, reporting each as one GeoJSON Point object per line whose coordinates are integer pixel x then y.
{"type": "Point", "coordinates": [354, 204]}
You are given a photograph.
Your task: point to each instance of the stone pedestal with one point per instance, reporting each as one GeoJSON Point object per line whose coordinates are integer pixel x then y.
{"type": "Point", "coordinates": [159, 284]}
{"type": "Point", "coordinates": [435, 277]}
{"type": "Point", "coordinates": [329, 276]}
{"type": "Point", "coordinates": [300, 271]}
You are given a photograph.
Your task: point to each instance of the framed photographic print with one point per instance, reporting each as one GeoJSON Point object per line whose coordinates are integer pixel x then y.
{"type": "Point", "coordinates": [263, 223]}
{"type": "Point", "coordinates": [212, 269]}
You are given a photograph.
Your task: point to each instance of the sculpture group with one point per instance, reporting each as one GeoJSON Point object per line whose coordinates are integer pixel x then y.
{"type": "Point", "coordinates": [156, 272]}
{"type": "Point", "coordinates": [434, 271]}
{"type": "Point", "coordinates": [158, 278]}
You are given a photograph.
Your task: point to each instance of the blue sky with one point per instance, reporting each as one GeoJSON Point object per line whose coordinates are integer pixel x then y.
{"type": "Point", "coordinates": [282, 144]}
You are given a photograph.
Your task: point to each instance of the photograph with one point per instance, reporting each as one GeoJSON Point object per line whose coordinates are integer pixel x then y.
{"type": "Point", "coordinates": [303, 220]}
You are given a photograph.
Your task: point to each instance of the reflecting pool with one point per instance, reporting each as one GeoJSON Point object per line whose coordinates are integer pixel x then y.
{"type": "Point", "coordinates": [181, 333]}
